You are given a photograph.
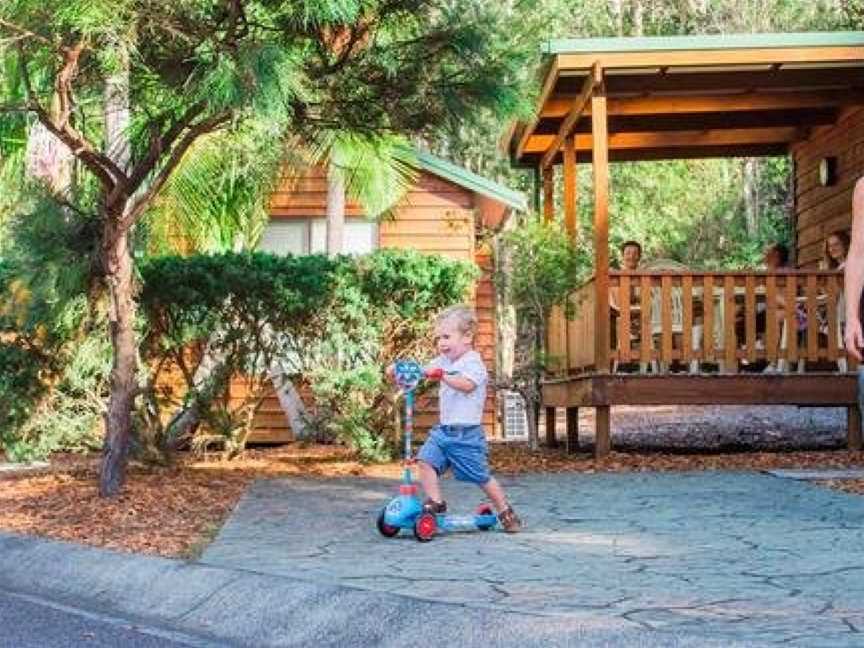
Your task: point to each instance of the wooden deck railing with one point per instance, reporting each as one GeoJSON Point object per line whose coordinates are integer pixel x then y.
{"type": "Point", "coordinates": [728, 319]}
{"type": "Point", "coordinates": [571, 336]}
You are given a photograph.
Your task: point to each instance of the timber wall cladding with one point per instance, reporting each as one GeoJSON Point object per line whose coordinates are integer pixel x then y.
{"type": "Point", "coordinates": [819, 210]}
{"type": "Point", "coordinates": [435, 217]}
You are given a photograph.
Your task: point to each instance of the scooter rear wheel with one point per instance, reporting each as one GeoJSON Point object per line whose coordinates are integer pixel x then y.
{"type": "Point", "coordinates": [425, 526]}
{"type": "Point", "coordinates": [385, 529]}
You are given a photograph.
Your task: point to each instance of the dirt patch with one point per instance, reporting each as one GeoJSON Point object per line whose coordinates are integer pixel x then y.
{"type": "Point", "coordinates": [176, 511]}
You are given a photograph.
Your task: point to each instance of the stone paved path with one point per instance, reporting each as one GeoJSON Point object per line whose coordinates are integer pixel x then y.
{"type": "Point", "coordinates": [740, 558]}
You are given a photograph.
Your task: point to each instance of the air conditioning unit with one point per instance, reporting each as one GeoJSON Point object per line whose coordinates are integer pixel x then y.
{"type": "Point", "coordinates": [515, 421]}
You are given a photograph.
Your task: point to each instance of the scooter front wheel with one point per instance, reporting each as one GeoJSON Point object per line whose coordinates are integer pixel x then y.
{"type": "Point", "coordinates": [485, 511]}
{"type": "Point", "coordinates": [385, 529]}
{"type": "Point", "coordinates": [425, 526]}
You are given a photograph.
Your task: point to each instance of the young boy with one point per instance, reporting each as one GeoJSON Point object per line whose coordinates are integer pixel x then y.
{"type": "Point", "coordinates": [458, 442]}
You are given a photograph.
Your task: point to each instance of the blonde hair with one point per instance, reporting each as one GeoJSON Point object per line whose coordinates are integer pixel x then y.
{"type": "Point", "coordinates": [464, 316]}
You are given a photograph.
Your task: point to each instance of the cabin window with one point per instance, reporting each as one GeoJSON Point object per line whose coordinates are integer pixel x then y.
{"type": "Point", "coordinates": [309, 236]}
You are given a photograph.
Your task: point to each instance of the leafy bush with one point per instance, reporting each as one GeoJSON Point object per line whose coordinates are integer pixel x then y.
{"type": "Point", "coordinates": [214, 318]}
{"type": "Point", "coordinates": [20, 390]}
{"type": "Point", "coordinates": [333, 324]}
{"type": "Point", "coordinates": [542, 266]}
{"type": "Point", "coordinates": [382, 309]}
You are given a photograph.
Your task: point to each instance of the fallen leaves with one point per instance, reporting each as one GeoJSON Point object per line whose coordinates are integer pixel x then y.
{"type": "Point", "coordinates": [176, 511]}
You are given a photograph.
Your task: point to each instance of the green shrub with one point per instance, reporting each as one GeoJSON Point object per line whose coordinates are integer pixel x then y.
{"type": "Point", "coordinates": [218, 317]}
{"type": "Point", "coordinates": [20, 391]}
{"type": "Point", "coordinates": [333, 323]}
{"type": "Point", "coordinates": [382, 309]}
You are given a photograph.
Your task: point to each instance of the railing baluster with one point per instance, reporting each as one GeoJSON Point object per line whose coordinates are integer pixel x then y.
{"type": "Point", "coordinates": [771, 326]}
{"type": "Point", "coordinates": [666, 319]}
{"type": "Point", "coordinates": [791, 295]}
{"type": "Point", "coordinates": [687, 318]}
{"type": "Point", "coordinates": [645, 343]}
{"type": "Point", "coordinates": [574, 349]}
{"type": "Point", "coordinates": [750, 316]}
{"type": "Point", "coordinates": [708, 317]}
{"type": "Point", "coordinates": [624, 319]}
{"type": "Point", "coordinates": [729, 340]}
{"type": "Point", "coordinates": [831, 305]}
{"type": "Point", "coordinates": [812, 319]}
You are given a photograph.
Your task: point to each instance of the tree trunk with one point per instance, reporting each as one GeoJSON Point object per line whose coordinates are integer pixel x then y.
{"type": "Point", "coordinates": [210, 378]}
{"type": "Point", "coordinates": [335, 211]}
{"type": "Point", "coordinates": [120, 281]}
{"type": "Point", "coordinates": [291, 403]}
{"type": "Point", "coordinates": [751, 195]}
{"type": "Point", "coordinates": [526, 375]}
{"type": "Point", "coordinates": [617, 10]}
{"type": "Point", "coordinates": [505, 313]}
{"type": "Point", "coordinates": [124, 388]}
{"type": "Point", "coordinates": [117, 112]}
{"type": "Point", "coordinates": [638, 18]}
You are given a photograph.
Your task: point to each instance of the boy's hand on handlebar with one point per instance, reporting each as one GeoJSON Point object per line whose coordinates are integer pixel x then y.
{"type": "Point", "coordinates": [434, 373]}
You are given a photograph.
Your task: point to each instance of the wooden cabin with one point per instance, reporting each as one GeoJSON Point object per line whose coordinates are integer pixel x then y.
{"type": "Point", "coordinates": [692, 334]}
{"type": "Point", "coordinates": [449, 211]}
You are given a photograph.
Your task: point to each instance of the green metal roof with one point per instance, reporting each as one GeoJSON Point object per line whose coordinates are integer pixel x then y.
{"type": "Point", "coordinates": [471, 181]}
{"type": "Point", "coordinates": [705, 42]}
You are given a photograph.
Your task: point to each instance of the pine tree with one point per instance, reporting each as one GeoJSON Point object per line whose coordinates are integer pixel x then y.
{"type": "Point", "coordinates": [199, 66]}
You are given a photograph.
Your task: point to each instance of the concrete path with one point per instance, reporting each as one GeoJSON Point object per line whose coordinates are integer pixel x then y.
{"type": "Point", "coordinates": [679, 559]}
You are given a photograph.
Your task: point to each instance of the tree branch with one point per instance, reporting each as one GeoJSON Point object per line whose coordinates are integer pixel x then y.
{"type": "Point", "coordinates": [192, 134]}
{"type": "Point", "coordinates": [159, 144]}
{"type": "Point", "coordinates": [26, 33]}
{"type": "Point", "coordinates": [100, 165]}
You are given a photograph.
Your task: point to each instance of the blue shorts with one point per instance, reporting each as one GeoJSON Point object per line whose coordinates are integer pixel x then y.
{"type": "Point", "coordinates": [460, 447]}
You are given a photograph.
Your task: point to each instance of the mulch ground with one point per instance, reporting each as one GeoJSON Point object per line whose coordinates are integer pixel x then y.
{"type": "Point", "coordinates": [176, 511]}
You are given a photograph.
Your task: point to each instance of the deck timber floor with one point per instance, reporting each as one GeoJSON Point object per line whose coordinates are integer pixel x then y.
{"type": "Point", "coordinates": [603, 391]}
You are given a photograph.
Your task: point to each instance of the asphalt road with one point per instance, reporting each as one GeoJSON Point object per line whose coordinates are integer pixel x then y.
{"type": "Point", "coordinates": [28, 622]}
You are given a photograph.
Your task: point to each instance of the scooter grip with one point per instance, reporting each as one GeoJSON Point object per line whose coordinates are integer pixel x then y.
{"type": "Point", "coordinates": [435, 373]}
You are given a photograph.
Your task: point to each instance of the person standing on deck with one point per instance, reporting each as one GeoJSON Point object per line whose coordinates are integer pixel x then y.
{"type": "Point", "coordinates": [854, 274]}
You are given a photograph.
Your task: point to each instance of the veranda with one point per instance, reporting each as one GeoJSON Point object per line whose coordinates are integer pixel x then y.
{"type": "Point", "coordinates": [689, 336]}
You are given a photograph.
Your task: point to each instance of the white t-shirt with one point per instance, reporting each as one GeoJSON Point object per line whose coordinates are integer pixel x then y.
{"type": "Point", "coordinates": [457, 407]}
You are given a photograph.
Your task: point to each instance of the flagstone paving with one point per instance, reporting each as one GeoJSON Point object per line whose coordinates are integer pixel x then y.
{"type": "Point", "coordinates": [740, 558]}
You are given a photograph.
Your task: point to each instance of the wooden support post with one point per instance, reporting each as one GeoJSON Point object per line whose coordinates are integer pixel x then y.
{"type": "Point", "coordinates": [572, 430]}
{"type": "Point", "coordinates": [570, 204]}
{"type": "Point", "coordinates": [603, 437]}
{"type": "Point", "coordinates": [853, 428]}
{"type": "Point", "coordinates": [535, 193]}
{"type": "Point", "coordinates": [600, 150]}
{"type": "Point", "coordinates": [548, 194]}
{"type": "Point", "coordinates": [551, 439]}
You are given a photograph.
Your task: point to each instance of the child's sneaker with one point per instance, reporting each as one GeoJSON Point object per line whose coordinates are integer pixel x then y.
{"type": "Point", "coordinates": [431, 506]}
{"type": "Point", "coordinates": [509, 520]}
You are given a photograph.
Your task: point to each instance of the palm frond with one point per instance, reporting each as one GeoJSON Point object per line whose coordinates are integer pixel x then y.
{"type": "Point", "coordinates": [377, 170]}
{"type": "Point", "coordinates": [216, 200]}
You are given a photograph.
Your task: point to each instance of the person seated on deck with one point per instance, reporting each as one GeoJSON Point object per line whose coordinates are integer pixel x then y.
{"type": "Point", "coordinates": [834, 258]}
{"type": "Point", "coordinates": [631, 257]}
{"type": "Point", "coordinates": [836, 248]}
{"type": "Point", "coordinates": [775, 257]}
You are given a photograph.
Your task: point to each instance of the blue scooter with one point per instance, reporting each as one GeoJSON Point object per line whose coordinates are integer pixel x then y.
{"type": "Point", "coordinates": [406, 510]}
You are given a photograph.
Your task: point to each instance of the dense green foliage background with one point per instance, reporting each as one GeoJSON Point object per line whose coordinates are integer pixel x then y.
{"type": "Point", "coordinates": [704, 213]}
{"type": "Point", "coordinates": [449, 75]}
